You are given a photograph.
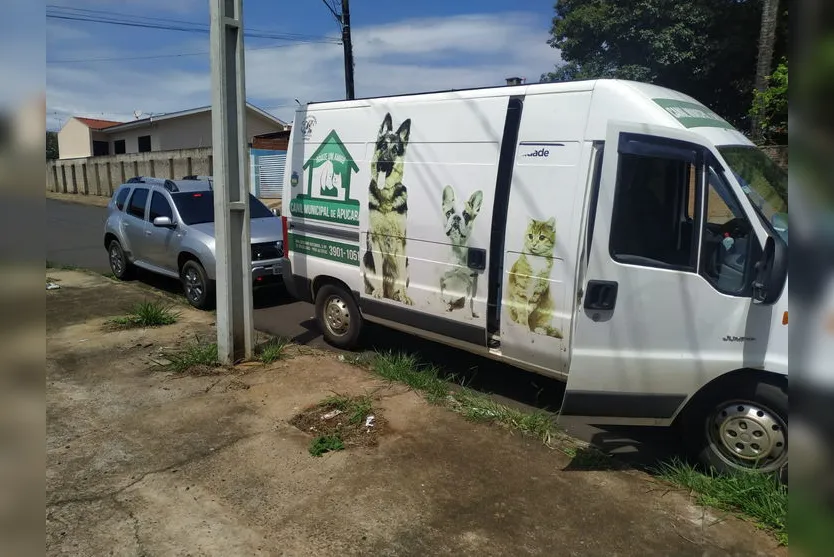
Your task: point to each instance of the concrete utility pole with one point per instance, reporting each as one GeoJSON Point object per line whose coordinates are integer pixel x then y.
{"type": "Point", "coordinates": [235, 328]}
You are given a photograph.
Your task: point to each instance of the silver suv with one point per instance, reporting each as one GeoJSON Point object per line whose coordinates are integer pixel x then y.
{"type": "Point", "coordinates": [167, 227]}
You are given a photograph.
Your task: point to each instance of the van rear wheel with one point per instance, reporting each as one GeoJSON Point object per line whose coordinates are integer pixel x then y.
{"type": "Point", "coordinates": [338, 316]}
{"type": "Point", "coordinates": [744, 429]}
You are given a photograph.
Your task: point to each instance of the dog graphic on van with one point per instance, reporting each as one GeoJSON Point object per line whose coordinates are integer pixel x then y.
{"type": "Point", "coordinates": [530, 301]}
{"type": "Point", "coordinates": [385, 261]}
{"type": "Point", "coordinates": [459, 283]}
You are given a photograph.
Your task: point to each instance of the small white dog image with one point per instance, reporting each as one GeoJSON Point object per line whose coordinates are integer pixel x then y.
{"type": "Point", "coordinates": [459, 283]}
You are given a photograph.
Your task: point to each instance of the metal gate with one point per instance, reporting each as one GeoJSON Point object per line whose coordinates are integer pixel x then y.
{"type": "Point", "coordinates": [267, 172]}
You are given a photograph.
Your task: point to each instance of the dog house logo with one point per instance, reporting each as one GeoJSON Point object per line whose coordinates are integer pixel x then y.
{"type": "Point", "coordinates": [326, 191]}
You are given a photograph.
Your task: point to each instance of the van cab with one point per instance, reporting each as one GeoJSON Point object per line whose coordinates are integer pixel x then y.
{"type": "Point", "coordinates": [616, 235]}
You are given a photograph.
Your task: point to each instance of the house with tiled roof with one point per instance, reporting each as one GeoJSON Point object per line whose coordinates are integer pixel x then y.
{"type": "Point", "coordinates": [187, 129]}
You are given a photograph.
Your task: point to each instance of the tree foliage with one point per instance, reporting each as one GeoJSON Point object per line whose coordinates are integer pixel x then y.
{"type": "Point", "coordinates": [705, 48]}
{"type": "Point", "coordinates": [770, 107]}
{"type": "Point", "coordinates": [51, 145]}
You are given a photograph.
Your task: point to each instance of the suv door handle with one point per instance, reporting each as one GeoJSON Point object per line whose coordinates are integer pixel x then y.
{"type": "Point", "coordinates": [601, 295]}
{"type": "Point", "coordinates": [147, 232]}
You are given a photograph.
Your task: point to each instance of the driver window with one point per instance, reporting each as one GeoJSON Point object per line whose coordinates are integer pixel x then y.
{"type": "Point", "coordinates": [725, 249]}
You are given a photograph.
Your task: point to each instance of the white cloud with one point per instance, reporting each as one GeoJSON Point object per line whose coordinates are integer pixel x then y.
{"type": "Point", "coordinates": [408, 56]}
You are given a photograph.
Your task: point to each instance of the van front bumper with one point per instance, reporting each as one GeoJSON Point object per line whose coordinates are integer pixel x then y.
{"type": "Point", "coordinates": [297, 286]}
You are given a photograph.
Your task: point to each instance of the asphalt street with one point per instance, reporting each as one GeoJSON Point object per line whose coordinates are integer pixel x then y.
{"type": "Point", "coordinates": [75, 237]}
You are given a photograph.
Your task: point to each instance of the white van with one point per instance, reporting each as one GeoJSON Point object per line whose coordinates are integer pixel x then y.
{"type": "Point", "coordinates": [617, 235]}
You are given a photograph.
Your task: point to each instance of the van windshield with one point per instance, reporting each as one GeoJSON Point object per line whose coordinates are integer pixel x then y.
{"type": "Point", "coordinates": [764, 183]}
{"type": "Point", "coordinates": [198, 207]}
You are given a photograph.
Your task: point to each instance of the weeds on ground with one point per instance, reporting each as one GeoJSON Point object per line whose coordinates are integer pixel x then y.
{"type": "Point", "coordinates": [147, 314]}
{"type": "Point", "coordinates": [355, 408]}
{"type": "Point", "coordinates": [272, 350]}
{"type": "Point", "coordinates": [760, 496]}
{"type": "Point", "coordinates": [61, 266]}
{"type": "Point", "coordinates": [405, 368]}
{"type": "Point", "coordinates": [196, 355]}
{"type": "Point", "coordinates": [326, 443]}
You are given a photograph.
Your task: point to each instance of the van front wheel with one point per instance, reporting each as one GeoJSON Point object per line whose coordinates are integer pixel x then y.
{"type": "Point", "coordinates": [744, 432]}
{"type": "Point", "coordinates": [338, 316]}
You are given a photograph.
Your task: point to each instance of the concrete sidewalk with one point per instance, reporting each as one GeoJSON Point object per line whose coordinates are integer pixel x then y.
{"type": "Point", "coordinates": [146, 462]}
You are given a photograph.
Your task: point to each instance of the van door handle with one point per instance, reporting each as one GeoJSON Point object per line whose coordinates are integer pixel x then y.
{"type": "Point", "coordinates": [476, 259]}
{"type": "Point", "coordinates": [601, 295]}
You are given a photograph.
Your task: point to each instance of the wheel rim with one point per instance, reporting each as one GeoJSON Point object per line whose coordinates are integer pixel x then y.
{"type": "Point", "coordinates": [336, 316]}
{"type": "Point", "coordinates": [193, 285]}
{"type": "Point", "coordinates": [748, 435]}
{"type": "Point", "coordinates": [116, 262]}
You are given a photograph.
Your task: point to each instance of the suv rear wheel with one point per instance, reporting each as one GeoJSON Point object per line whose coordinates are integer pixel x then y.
{"type": "Point", "coordinates": [198, 289]}
{"type": "Point", "coordinates": [122, 268]}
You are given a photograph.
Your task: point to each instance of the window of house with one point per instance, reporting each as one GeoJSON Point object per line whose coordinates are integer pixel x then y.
{"type": "Point", "coordinates": [119, 147]}
{"type": "Point", "coordinates": [144, 144]}
{"type": "Point", "coordinates": [137, 203]}
{"type": "Point", "coordinates": [655, 207]}
{"type": "Point", "coordinates": [121, 197]}
{"type": "Point", "coordinates": [101, 148]}
{"type": "Point", "coordinates": [160, 207]}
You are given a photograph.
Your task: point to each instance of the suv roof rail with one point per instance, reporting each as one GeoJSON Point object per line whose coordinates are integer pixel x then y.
{"type": "Point", "coordinates": [169, 185]}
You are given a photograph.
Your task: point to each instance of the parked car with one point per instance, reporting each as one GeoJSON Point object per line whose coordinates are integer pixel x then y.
{"type": "Point", "coordinates": [167, 227]}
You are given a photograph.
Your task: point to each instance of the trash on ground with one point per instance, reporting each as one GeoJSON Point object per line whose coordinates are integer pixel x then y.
{"type": "Point", "coordinates": [52, 286]}
{"type": "Point", "coordinates": [369, 421]}
{"type": "Point", "coordinates": [331, 414]}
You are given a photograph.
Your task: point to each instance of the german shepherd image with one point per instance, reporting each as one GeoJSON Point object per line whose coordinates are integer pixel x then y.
{"type": "Point", "coordinates": [386, 265]}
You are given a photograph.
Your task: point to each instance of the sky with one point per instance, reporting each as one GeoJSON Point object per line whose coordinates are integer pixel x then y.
{"type": "Point", "coordinates": [103, 71]}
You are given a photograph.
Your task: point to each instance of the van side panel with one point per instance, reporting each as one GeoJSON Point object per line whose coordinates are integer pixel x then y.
{"type": "Point", "coordinates": [542, 234]}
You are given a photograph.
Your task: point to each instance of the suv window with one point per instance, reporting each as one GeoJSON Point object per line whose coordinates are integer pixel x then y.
{"type": "Point", "coordinates": [652, 224]}
{"type": "Point", "coordinates": [137, 203]}
{"type": "Point", "coordinates": [121, 197]}
{"type": "Point", "coordinates": [160, 207]}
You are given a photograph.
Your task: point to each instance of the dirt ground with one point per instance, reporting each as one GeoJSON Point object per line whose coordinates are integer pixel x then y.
{"type": "Point", "coordinates": [141, 461]}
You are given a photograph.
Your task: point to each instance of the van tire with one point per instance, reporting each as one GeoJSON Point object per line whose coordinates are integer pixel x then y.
{"type": "Point", "coordinates": [748, 416]}
{"type": "Point", "coordinates": [338, 316]}
{"type": "Point", "coordinates": [198, 289]}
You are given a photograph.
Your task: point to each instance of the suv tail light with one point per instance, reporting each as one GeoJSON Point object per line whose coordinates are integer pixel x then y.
{"type": "Point", "coordinates": [285, 226]}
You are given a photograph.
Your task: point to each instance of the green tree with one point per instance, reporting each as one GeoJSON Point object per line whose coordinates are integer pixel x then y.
{"type": "Point", "coordinates": [705, 48]}
{"type": "Point", "coordinates": [770, 107]}
{"type": "Point", "coordinates": [51, 145]}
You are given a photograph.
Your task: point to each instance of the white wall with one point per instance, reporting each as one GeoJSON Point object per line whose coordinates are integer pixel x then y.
{"type": "Point", "coordinates": [186, 132]}
{"type": "Point", "coordinates": [74, 140]}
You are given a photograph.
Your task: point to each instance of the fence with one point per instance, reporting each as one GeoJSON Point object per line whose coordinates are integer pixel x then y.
{"type": "Point", "coordinates": [100, 175]}
{"type": "Point", "coordinates": [267, 168]}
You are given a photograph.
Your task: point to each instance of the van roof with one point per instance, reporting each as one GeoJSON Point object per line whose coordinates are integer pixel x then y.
{"type": "Point", "coordinates": [623, 99]}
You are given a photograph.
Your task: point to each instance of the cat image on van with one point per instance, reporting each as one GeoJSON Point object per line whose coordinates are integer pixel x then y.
{"type": "Point", "coordinates": [530, 301]}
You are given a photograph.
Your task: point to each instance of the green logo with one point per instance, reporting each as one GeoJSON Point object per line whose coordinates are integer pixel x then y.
{"type": "Point", "coordinates": [693, 115]}
{"type": "Point", "coordinates": [326, 194]}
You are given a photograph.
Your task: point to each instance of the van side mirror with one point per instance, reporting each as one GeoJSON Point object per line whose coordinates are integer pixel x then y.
{"type": "Point", "coordinates": [771, 272]}
{"type": "Point", "coordinates": [276, 212]}
{"type": "Point", "coordinates": [163, 222]}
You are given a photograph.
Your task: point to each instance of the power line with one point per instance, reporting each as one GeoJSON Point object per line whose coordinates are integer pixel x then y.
{"type": "Point", "coordinates": [126, 20]}
{"type": "Point", "coordinates": [156, 56]}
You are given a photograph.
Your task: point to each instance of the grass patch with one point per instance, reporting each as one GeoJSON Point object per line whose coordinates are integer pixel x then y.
{"type": "Point", "coordinates": [195, 357]}
{"type": "Point", "coordinates": [340, 421]}
{"type": "Point", "coordinates": [325, 444]}
{"type": "Point", "coordinates": [272, 350]}
{"type": "Point", "coordinates": [62, 266]}
{"type": "Point", "coordinates": [758, 496]}
{"type": "Point", "coordinates": [428, 379]}
{"type": "Point", "coordinates": [405, 368]}
{"type": "Point", "coordinates": [354, 408]}
{"type": "Point", "coordinates": [147, 314]}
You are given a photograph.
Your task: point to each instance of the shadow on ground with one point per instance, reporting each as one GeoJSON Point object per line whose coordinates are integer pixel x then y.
{"type": "Point", "coordinates": [266, 296]}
